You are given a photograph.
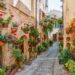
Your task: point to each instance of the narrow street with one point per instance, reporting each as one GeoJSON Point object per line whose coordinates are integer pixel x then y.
{"type": "Point", "coordinates": [45, 64]}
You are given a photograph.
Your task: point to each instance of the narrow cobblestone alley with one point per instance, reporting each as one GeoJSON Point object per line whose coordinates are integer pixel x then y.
{"type": "Point", "coordinates": [45, 64]}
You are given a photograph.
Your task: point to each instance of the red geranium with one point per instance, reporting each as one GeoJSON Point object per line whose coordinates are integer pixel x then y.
{"type": "Point", "coordinates": [1, 14]}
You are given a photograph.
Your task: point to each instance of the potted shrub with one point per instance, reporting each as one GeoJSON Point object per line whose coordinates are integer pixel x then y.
{"type": "Point", "coordinates": [2, 6]}
{"type": "Point", "coordinates": [32, 42]}
{"type": "Point", "coordinates": [46, 45]}
{"type": "Point", "coordinates": [26, 29]}
{"type": "Point", "coordinates": [15, 27]}
{"type": "Point", "coordinates": [34, 32]}
{"type": "Point", "coordinates": [19, 41]}
{"type": "Point", "coordinates": [18, 56]}
{"type": "Point", "coordinates": [40, 49]}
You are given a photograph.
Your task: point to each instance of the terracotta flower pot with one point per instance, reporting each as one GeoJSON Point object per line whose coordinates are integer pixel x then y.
{"type": "Point", "coordinates": [1, 8]}
{"type": "Point", "coordinates": [5, 25]}
{"type": "Point", "coordinates": [14, 29]}
{"type": "Point", "coordinates": [1, 43]}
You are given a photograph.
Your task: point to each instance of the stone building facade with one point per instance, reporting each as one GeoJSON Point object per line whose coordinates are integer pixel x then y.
{"type": "Point", "coordinates": [23, 12]}
{"type": "Point", "coordinates": [69, 14]}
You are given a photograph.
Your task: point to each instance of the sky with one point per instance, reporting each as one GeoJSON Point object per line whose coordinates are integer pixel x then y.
{"type": "Point", "coordinates": [54, 5]}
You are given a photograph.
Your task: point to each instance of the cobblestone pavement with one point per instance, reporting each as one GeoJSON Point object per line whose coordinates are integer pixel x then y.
{"type": "Point", "coordinates": [45, 64]}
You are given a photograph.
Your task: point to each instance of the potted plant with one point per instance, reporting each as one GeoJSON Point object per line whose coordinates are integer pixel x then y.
{"type": "Point", "coordinates": [18, 56]}
{"type": "Point", "coordinates": [34, 32]}
{"type": "Point", "coordinates": [2, 6]}
{"type": "Point", "coordinates": [32, 42]}
{"type": "Point", "coordinates": [19, 41]}
{"type": "Point", "coordinates": [68, 38]}
{"type": "Point", "coordinates": [40, 49]}
{"type": "Point", "coordinates": [14, 28]}
{"type": "Point", "coordinates": [68, 29]}
{"type": "Point", "coordinates": [26, 29]}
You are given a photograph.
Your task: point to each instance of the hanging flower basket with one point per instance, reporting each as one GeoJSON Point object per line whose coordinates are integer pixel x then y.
{"type": "Point", "coordinates": [1, 43]}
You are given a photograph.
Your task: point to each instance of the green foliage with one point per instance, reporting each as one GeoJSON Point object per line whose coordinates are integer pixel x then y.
{"type": "Point", "coordinates": [71, 66]}
{"type": "Point", "coordinates": [15, 24]}
{"type": "Point", "coordinates": [8, 20]}
{"type": "Point", "coordinates": [18, 55]}
{"type": "Point", "coordinates": [65, 55]}
{"type": "Point", "coordinates": [46, 45]}
{"type": "Point", "coordinates": [26, 29]}
{"type": "Point", "coordinates": [47, 25]}
{"type": "Point", "coordinates": [44, 29]}
{"type": "Point", "coordinates": [40, 48]}
{"type": "Point", "coordinates": [2, 37]}
{"type": "Point", "coordinates": [50, 25]}
{"type": "Point", "coordinates": [2, 4]}
{"type": "Point", "coordinates": [20, 41]}
{"type": "Point", "coordinates": [2, 72]}
{"type": "Point", "coordinates": [60, 21]}
{"type": "Point", "coordinates": [34, 32]}
{"type": "Point", "coordinates": [32, 42]}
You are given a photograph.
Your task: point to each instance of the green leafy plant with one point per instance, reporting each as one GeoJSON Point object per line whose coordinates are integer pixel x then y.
{"type": "Point", "coordinates": [26, 29]}
{"type": "Point", "coordinates": [15, 24]}
{"type": "Point", "coordinates": [40, 48]}
{"type": "Point", "coordinates": [32, 42]}
{"type": "Point", "coordinates": [46, 45]}
{"type": "Point", "coordinates": [34, 32]}
{"type": "Point", "coordinates": [2, 37]}
{"type": "Point", "coordinates": [18, 55]}
{"type": "Point", "coordinates": [8, 20]}
{"type": "Point", "coordinates": [64, 56]}
{"type": "Point", "coordinates": [71, 66]}
{"type": "Point", "coordinates": [2, 4]}
{"type": "Point", "coordinates": [2, 71]}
